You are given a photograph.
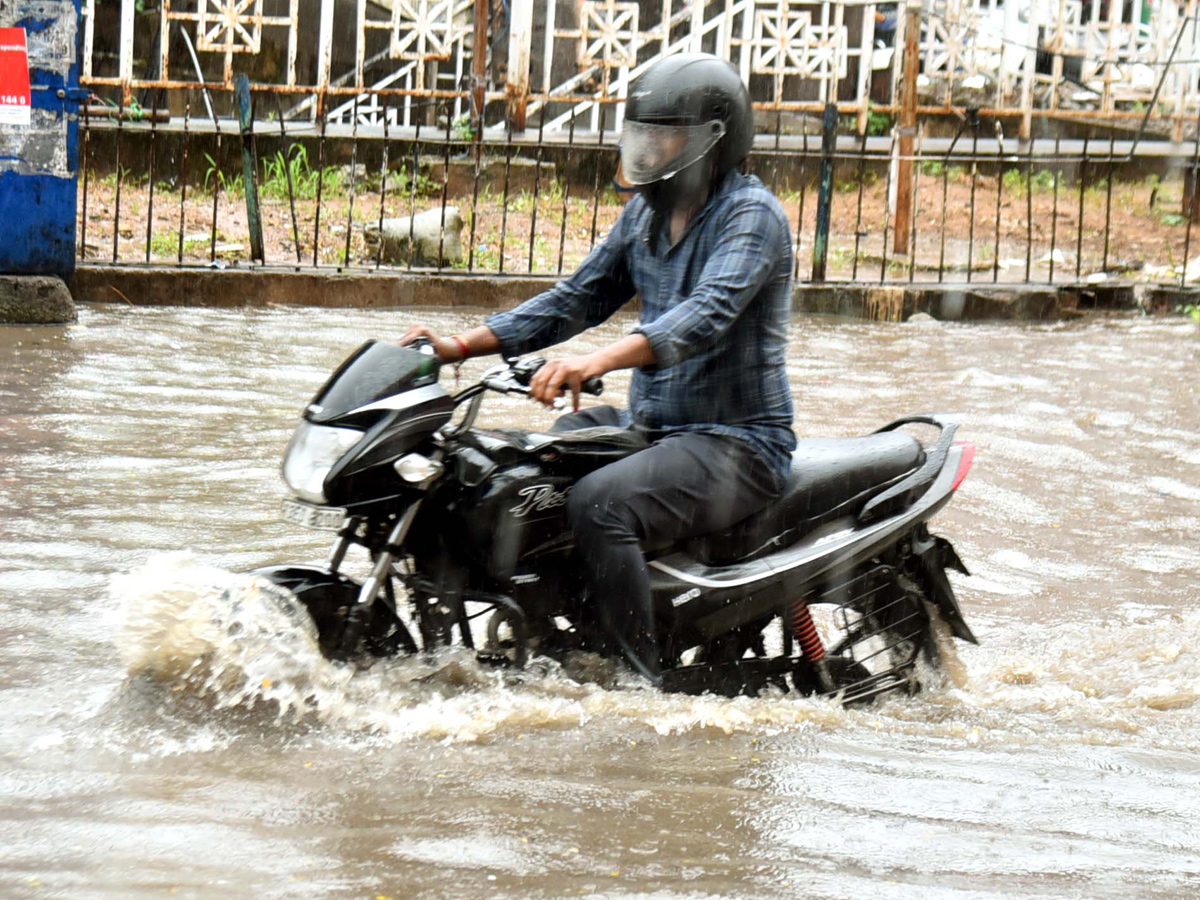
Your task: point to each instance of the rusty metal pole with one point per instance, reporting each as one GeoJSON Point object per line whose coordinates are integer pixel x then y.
{"type": "Point", "coordinates": [829, 124]}
{"type": "Point", "coordinates": [245, 111]}
{"type": "Point", "coordinates": [479, 51]}
{"type": "Point", "coordinates": [520, 39]}
{"type": "Point", "coordinates": [908, 129]}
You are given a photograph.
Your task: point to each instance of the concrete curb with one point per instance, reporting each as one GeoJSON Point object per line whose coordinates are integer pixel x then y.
{"type": "Point", "coordinates": [1162, 299]}
{"type": "Point", "coordinates": [35, 300]}
{"type": "Point", "coordinates": [266, 287]}
{"type": "Point", "coordinates": [233, 288]}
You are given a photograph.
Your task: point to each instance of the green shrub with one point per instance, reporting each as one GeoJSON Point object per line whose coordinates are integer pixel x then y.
{"type": "Point", "coordinates": [462, 128]}
{"type": "Point", "coordinates": [1013, 181]}
{"type": "Point", "coordinates": [878, 123]}
{"type": "Point", "coordinates": [1044, 180]}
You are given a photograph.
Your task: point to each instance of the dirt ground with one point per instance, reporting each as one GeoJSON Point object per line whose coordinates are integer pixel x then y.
{"type": "Point", "coordinates": [1038, 235]}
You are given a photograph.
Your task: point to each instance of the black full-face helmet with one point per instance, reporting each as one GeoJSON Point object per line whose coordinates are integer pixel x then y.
{"type": "Point", "coordinates": [688, 121]}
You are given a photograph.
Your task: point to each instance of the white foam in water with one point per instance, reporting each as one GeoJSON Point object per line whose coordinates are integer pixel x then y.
{"type": "Point", "coordinates": [243, 642]}
{"type": "Point", "coordinates": [1142, 673]}
{"type": "Point", "coordinates": [1173, 487]}
{"type": "Point", "coordinates": [232, 636]}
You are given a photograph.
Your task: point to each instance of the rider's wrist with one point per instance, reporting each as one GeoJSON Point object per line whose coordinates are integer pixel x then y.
{"type": "Point", "coordinates": [463, 350]}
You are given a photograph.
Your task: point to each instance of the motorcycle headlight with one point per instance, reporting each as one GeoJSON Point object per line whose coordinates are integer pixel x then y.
{"type": "Point", "coordinates": [311, 454]}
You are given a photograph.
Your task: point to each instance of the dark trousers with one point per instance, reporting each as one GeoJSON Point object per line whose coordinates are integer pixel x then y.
{"type": "Point", "coordinates": [683, 485]}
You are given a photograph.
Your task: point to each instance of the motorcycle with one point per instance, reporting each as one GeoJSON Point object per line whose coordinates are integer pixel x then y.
{"type": "Point", "coordinates": [470, 523]}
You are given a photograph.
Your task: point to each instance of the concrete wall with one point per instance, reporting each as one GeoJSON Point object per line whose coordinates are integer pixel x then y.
{"type": "Point", "coordinates": [384, 290]}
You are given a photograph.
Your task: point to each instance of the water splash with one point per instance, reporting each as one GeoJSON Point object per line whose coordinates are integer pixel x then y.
{"type": "Point", "coordinates": [242, 642]}
{"type": "Point", "coordinates": [235, 638]}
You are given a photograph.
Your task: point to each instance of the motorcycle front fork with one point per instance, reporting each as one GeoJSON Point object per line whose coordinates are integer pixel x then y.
{"type": "Point", "coordinates": [359, 615]}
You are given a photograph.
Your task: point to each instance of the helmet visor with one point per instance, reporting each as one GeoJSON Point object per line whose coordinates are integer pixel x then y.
{"type": "Point", "coordinates": [651, 152]}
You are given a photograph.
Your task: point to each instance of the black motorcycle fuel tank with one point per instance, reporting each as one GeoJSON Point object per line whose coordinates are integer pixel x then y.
{"type": "Point", "coordinates": [512, 512]}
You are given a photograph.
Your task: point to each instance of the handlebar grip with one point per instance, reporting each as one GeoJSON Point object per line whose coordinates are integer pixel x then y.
{"type": "Point", "coordinates": [593, 386]}
{"type": "Point", "coordinates": [424, 345]}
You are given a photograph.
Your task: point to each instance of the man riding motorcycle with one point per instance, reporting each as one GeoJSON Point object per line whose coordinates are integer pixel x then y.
{"type": "Point", "coordinates": [708, 251]}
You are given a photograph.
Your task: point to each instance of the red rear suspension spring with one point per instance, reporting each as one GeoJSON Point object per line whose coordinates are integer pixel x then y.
{"type": "Point", "coordinates": [804, 630]}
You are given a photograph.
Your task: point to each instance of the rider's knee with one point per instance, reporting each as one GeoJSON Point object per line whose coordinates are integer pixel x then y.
{"type": "Point", "coordinates": [584, 504]}
{"type": "Point", "coordinates": [594, 507]}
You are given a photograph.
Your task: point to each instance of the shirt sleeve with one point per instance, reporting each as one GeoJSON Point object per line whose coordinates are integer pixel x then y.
{"type": "Point", "coordinates": [599, 287]}
{"type": "Point", "coordinates": [746, 257]}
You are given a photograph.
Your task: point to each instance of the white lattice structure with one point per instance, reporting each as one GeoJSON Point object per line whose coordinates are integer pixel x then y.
{"type": "Point", "coordinates": [569, 59]}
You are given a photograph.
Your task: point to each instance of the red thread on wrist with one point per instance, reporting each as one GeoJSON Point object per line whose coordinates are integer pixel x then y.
{"type": "Point", "coordinates": [462, 346]}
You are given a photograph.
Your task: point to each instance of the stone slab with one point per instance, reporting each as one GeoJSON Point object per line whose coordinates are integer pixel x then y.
{"type": "Point", "coordinates": [896, 303]}
{"type": "Point", "coordinates": [35, 300]}
{"type": "Point", "coordinates": [966, 304]}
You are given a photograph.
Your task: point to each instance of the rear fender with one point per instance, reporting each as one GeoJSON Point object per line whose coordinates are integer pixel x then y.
{"type": "Point", "coordinates": [934, 555]}
{"type": "Point", "coordinates": [915, 485]}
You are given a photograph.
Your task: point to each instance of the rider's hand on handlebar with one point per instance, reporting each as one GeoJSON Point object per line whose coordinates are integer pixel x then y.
{"type": "Point", "coordinates": [447, 349]}
{"type": "Point", "coordinates": [560, 376]}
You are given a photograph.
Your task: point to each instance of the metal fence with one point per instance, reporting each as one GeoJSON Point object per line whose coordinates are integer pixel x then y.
{"type": "Point", "coordinates": [981, 207]}
{"type": "Point", "coordinates": [252, 152]}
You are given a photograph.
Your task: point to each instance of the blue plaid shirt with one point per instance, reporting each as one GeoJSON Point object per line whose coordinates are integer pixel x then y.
{"type": "Point", "coordinates": [715, 308]}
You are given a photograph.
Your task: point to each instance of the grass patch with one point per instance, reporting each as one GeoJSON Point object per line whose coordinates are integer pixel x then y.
{"type": "Point", "coordinates": [228, 184]}
{"type": "Point", "coordinates": [1169, 219]}
{"type": "Point", "coordinates": [166, 243]}
{"type": "Point", "coordinates": [1013, 182]}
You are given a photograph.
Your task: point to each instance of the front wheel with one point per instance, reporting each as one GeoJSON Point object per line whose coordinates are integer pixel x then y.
{"type": "Point", "coordinates": [345, 630]}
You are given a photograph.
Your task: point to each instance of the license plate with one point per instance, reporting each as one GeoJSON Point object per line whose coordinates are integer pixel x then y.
{"type": "Point", "coordinates": [323, 518]}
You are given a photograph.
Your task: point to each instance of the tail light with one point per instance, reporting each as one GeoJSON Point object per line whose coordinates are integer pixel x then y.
{"type": "Point", "coordinates": [964, 462]}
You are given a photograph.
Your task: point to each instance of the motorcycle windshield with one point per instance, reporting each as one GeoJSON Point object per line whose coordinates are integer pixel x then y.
{"type": "Point", "coordinates": [376, 370]}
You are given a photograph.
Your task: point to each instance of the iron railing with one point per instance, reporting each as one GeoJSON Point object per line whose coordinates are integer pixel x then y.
{"type": "Point", "coordinates": [984, 208]}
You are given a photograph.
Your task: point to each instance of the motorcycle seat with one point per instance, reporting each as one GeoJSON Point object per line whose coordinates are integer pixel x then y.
{"type": "Point", "coordinates": [829, 478]}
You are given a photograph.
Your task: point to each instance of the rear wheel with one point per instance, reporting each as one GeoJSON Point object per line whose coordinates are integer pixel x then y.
{"type": "Point", "coordinates": [845, 674]}
{"type": "Point", "coordinates": [877, 628]}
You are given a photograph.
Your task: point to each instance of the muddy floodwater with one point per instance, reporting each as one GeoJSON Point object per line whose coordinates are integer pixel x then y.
{"type": "Point", "coordinates": [157, 743]}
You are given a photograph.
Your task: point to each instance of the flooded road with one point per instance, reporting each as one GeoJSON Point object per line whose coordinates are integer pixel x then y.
{"type": "Point", "coordinates": [139, 455]}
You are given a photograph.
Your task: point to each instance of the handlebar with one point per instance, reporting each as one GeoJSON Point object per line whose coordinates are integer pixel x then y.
{"type": "Point", "coordinates": [516, 377]}
{"type": "Point", "coordinates": [512, 377]}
